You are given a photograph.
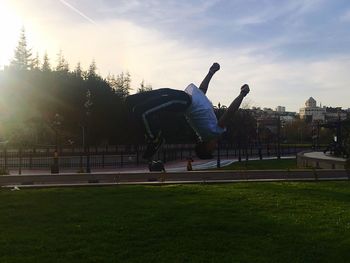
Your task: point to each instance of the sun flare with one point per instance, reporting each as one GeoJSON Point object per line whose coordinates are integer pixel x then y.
{"type": "Point", "coordinates": [10, 25]}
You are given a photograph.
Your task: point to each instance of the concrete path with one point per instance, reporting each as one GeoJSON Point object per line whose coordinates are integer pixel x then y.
{"type": "Point", "coordinates": [321, 155]}
{"type": "Point", "coordinates": [177, 175]}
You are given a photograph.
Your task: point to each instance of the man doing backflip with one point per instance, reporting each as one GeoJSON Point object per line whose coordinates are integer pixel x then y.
{"type": "Point", "coordinates": [145, 107]}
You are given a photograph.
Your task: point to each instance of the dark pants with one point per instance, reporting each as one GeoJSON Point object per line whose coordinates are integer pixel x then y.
{"type": "Point", "coordinates": [146, 107]}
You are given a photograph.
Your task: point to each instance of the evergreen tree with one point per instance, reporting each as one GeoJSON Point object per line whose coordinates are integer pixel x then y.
{"type": "Point", "coordinates": [112, 82]}
{"type": "Point", "coordinates": [122, 86]}
{"type": "Point", "coordinates": [62, 64]}
{"type": "Point", "coordinates": [127, 83]}
{"type": "Point", "coordinates": [43, 93]}
{"type": "Point", "coordinates": [92, 70]}
{"type": "Point", "coordinates": [46, 63]}
{"type": "Point", "coordinates": [78, 71]}
{"type": "Point", "coordinates": [35, 62]}
{"type": "Point", "coordinates": [22, 58]}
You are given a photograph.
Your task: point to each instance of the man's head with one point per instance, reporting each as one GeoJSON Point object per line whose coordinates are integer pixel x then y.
{"type": "Point", "coordinates": [204, 150]}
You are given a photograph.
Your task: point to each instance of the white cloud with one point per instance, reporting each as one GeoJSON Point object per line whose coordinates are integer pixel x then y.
{"type": "Point", "coordinates": [163, 62]}
{"type": "Point", "coordinates": [156, 8]}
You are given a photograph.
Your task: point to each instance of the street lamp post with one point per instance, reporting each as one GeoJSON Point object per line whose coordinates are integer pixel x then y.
{"type": "Point", "coordinates": [258, 140]}
{"type": "Point", "coordinates": [318, 136]}
{"type": "Point", "coordinates": [83, 135]}
{"type": "Point", "coordinates": [56, 124]}
{"type": "Point", "coordinates": [339, 142]}
{"type": "Point", "coordinates": [218, 149]}
{"type": "Point", "coordinates": [278, 136]}
{"type": "Point", "coordinates": [87, 105]}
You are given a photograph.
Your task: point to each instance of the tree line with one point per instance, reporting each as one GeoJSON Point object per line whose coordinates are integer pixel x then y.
{"type": "Point", "coordinates": [39, 100]}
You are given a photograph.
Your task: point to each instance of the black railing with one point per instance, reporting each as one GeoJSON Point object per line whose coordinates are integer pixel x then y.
{"type": "Point", "coordinates": [128, 155]}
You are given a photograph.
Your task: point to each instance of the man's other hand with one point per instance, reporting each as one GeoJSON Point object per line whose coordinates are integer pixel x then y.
{"type": "Point", "coordinates": [215, 67]}
{"type": "Point", "coordinates": [245, 90]}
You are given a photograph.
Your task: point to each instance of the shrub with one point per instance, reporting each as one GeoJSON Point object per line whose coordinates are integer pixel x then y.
{"type": "Point", "coordinates": [4, 171]}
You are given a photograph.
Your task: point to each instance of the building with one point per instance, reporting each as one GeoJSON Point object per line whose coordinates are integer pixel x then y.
{"type": "Point", "coordinates": [280, 109]}
{"type": "Point", "coordinates": [287, 118]}
{"type": "Point", "coordinates": [312, 112]}
{"type": "Point", "coordinates": [321, 114]}
{"type": "Point", "coordinates": [334, 114]}
{"type": "Point", "coordinates": [268, 111]}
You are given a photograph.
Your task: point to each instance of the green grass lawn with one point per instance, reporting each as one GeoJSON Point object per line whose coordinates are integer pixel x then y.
{"type": "Point", "coordinates": [243, 222]}
{"type": "Point", "coordinates": [273, 164]}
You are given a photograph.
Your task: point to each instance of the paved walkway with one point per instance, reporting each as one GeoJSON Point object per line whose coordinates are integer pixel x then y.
{"type": "Point", "coordinates": [176, 173]}
{"type": "Point", "coordinates": [321, 155]}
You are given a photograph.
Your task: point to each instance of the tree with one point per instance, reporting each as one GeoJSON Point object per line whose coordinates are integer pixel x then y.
{"type": "Point", "coordinates": [127, 82]}
{"type": "Point", "coordinates": [46, 63]}
{"type": "Point", "coordinates": [144, 88]}
{"type": "Point", "coordinates": [22, 58]}
{"type": "Point", "coordinates": [92, 70]}
{"type": "Point", "coordinates": [78, 71]}
{"type": "Point", "coordinates": [35, 63]}
{"type": "Point", "coordinates": [122, 85]}
{"type": "Point", "coordinates": [62, 64]}
{"type": "Point", "coordinates": [112, 82]}
{"type": "Point", "coordinates": [295, 132]}
{"type": "Point", "coordinates": [44, 91]}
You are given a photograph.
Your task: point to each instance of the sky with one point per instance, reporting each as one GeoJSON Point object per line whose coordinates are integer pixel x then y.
{"type": "Point", "coordinates": [286, 50]}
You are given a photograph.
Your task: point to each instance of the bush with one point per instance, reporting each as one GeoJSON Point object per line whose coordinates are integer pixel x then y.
{"type": "Point", "coordinates": [4, 171]}
{"type": "Point", "coordinates": [347, 166]}
{"type": "Point", "coordinates": [81, 170]}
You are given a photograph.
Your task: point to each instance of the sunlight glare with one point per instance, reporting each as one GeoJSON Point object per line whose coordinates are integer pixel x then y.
{"type": "Point", "coordinates": [10, 26]}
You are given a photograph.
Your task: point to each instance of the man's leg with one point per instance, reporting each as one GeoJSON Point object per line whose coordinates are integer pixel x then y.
{"type": "Point", "coordinates": [166, 100]}
{"type": "Point", "coordinates": [148, 113]}
{"type": "Point", "coordinates": [138, 103]}
{"type": "Point", "coordinates": [205, 82]}
{"type": "Point", "coordinates": [136, 131]}
{"type": "Point", "coordinates": [225, 118]}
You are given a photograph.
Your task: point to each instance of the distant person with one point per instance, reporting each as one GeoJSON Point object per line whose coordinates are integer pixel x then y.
{"type": "Point", "coordinates": [146, 107]}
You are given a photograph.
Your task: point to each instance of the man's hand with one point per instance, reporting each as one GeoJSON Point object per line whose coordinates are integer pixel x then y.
{"type": "Point", "coordinates": [245, 90]}
{"type": "Point", "coordinates": [215, 67]}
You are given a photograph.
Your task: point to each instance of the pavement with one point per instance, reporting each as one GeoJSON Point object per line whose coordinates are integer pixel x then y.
{"type": "Point", "coordinates": [176, 172]}
{"type": "Point", "coordinates": [323, 156]}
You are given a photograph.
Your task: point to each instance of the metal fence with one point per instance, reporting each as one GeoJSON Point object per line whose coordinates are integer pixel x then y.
{"type": "Point", "coordinates": [127, 155]}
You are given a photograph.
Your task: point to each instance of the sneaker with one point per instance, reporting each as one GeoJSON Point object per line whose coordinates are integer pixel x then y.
{"type": "Point", "coordinates": [152, 148]}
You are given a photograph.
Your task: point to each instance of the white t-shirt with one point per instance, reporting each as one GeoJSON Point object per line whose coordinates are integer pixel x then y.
{"type": "Point", "coordinates": [200, 115]}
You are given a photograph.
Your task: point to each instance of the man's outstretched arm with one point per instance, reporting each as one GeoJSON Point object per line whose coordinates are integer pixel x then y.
{"type": "Point", "coordinates": [205, 82]}
{"type": "Point", "coordinates": [225, 118]}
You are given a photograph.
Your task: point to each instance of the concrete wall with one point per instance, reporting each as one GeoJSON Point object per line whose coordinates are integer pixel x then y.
{"type": "Point", "coordinates": [306, 161]}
